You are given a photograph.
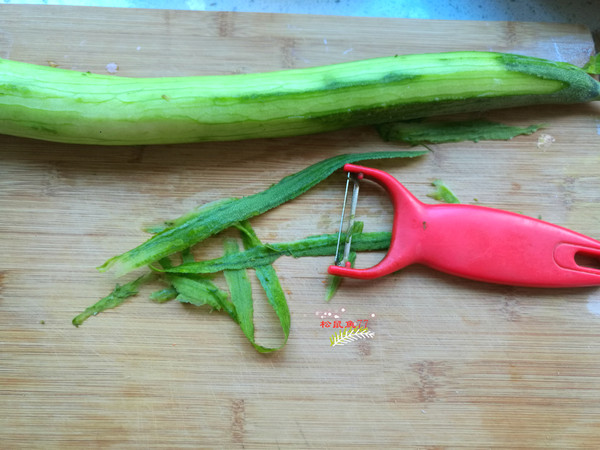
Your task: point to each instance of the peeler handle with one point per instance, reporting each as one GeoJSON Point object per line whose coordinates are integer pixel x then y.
{"type": "Point", "coordinates": [479, 243]}
{"type": "Point", "coordinates": [497, 246]}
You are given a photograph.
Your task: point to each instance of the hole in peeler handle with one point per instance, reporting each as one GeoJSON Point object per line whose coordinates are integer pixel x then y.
{"type": "Point", "coordinates": [587, 260]}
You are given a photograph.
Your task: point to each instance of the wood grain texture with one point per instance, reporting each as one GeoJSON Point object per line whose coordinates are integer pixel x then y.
{"type": "Point", "coordinates": [453, 363]}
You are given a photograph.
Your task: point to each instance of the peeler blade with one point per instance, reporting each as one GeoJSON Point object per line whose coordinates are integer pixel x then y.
{"type": "Point", "coordinates": [342, 258]}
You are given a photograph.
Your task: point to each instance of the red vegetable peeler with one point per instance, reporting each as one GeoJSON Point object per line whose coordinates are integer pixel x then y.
{"type": "Point", "coordinates": [474, 242]}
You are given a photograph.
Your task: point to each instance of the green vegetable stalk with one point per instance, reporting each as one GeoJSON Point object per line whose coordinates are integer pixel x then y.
{"type": "Point", "coordinates": [84, 108]}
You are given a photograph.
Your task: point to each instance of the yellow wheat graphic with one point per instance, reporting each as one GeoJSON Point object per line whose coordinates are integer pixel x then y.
{"type": "Point", "coordinates": [349, 335]}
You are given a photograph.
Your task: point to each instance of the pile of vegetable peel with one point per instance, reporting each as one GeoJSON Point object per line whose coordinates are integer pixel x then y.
{"type": "Point", "coordinates": [190, 282]}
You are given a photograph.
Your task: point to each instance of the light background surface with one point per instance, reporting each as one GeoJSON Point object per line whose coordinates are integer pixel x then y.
{"type": "Point", "coordinates": [585, 12]}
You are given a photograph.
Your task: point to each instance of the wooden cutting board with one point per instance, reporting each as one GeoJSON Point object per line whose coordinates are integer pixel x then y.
{"type": "Point", "coordinates": [453, 363]}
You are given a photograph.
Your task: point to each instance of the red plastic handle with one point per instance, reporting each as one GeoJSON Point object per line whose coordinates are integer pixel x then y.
{"type": "Point", "coordinates": [478, 243]}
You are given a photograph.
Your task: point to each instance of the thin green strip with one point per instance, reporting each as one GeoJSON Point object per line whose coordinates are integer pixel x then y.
{"type": "Point", "coordinates": [270, 283]}
{"type": "Point", "coordinates": [114, 299]}
{"type": "Point", "coordinates": [203, 209]}
{"type": "Point", "coordinates": [419, 132]}
{"type": "Point", "coordinates": [265, 254]}
{"type": "Point", "coordinates": [240, 290]}
{"type": "Point", "coordinates": [241, 297]}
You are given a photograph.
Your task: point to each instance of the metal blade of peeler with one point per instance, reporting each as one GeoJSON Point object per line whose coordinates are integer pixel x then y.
{"type": "Point", "coordinates": [341, 260]}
